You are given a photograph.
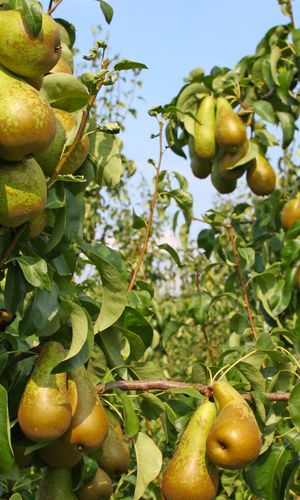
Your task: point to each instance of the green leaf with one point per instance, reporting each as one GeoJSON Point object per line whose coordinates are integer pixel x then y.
{"type": "Point", "coordinates": [82, 338]}
{"type": "Point", "coordinates": [58, 230]}
{"type": "Point", "coordinates": [125, 64]}
{"type": "Point", "coordinates": [252, 374]}
{"type": "Point", "coordinates": [130, 416]}
{"type": "Point", "coordinates": [137, 221]}
{"type": "Point", "coordinates": [133, 323]}
{"type": "Point", "coordinates": [32, 13]}
{"type": "Point", "coordinates": [104, 155]}
{"type": "Point", "coordinates": [287, 122]}
{"type": "Point", "coordinates": [41, 310]}
{"type": "Point", "coordinates": [188, 101]}
{"type": "Point", "coordinates": [206, 241]}
{"type": "Point", "coordinates": [274, 59]}
{"type": "Point", "coordinates": [64, 91]}
{"type": "Point", "coordinates": [294, 406]}
{"type": "Point", "coordinates": [114, 283]}
{"type": "Point", "coordinates": [15, 287]}
{"type": "Point", "coordinates": [172, 252]}
{"type": "Point", "coordinates": [107, 11]}
{"type": "Point", "coordinates": [149, 462]}
{"type": "Point", "coordinates": [265, 110]}
{"type": "Point", "coordinates": [15, 496]}
{"type": "Point", "coordinates": [296, 40]}
{"type": "Point", "coordinates": [6, 454]}
{"type": "Point", "coordinates": [35, 271]}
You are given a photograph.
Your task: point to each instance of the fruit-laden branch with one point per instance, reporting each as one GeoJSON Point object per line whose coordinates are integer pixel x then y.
{"type": "Point", "coordinates": [152, 208]}
{"type": "Point", "coordinates": [148, 385]}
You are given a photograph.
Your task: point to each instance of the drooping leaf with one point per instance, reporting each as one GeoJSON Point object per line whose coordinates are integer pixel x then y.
{"type": "Point", "coordinates": [42, 309]}
{"type": "Point", "coordinates": [104, 155]}
{"type": "Point", "coordinates": [130, 416]}
{"type": "Point", "coordinates": [35, 271]}
{"type": "Point", "coordinates": [265, 110]}
{"type": "Point", "coordinates": [171, 251]}
{"type": "Point", "coordinates": [15, 287]}
{"type": "Point", "coordinates": [149, 462]}
{"type": "Point", "coordinates": [288, 127]}
{"type": "Point", "coordinates": [125, 64]}
{"type": "Point", "coordinates": [188, 100]}
{"type": "Point", "coordinates": [32, 13]}
{"type": "Point", "coordinates": [137, 221]}
{"type": "Point", "coordinates": [6, 454]}
{"type": "Point", "coordinates": [107, 11]}
{"type": "Point", "coordinates": [64, 91]}
{"type": "Point", "coordinates": [294, 406]}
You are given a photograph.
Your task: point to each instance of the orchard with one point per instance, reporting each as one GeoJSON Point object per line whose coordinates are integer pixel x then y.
{"type": "Point", "coordinates": [130, 368]}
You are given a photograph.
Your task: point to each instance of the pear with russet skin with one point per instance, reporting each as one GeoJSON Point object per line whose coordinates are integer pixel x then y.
{"type": "Point", "coordinates": [44, 411]}
{"type": "Point", "coordinates": [234, 440]}
{"type": "Point", "coordinates": [190, 475]}
{"type": "Point", "coordinates": [55, 484]}
{"type": "Point", "coordinates": [223, 186]}
{"type": "Point", "coordinates": [290, 212]}
{"type": "Point", "coordinates": [261, 177]}
{"type": "Point", "coordinates": [230, 131]}
{"type": "Point", "coordinates": [99, 488]}
{"type": "Point", "coordinates": [113, 456]}
{"type": "Point", "coordinates": [204, 129]}
{"type": "Point", "coordinates": [227, 160]}
{"type": "Point", "coordinates": [23, 53]}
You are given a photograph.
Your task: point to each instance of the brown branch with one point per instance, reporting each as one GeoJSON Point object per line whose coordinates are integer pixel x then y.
{"type": "Point", "coordinates": [232, 239]}
{"type": "Point", "coordinates": [208, 345]}
{"type": "Point", "coordinates": [80, 131]}
{"type": "Point", "coordinates": [7, 252]}
{"type": "Point", "coordinates": [148, 385]}
{"type": "Point", "coordinates": [152, 208]}
{"type": "Point", "coordinates": [51, 8]}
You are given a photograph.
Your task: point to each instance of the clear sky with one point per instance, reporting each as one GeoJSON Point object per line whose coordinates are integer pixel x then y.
{"type": "Point", "coordinates": [172, 37]}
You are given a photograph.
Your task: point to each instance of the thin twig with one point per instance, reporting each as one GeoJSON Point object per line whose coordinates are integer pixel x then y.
{"type": "Point", "coordinates": [152, 208]}
{"type": "Point", "coordinates": [208, 345]}
{"type": "Point", "coordinates": [241, 279]}
{"type": "Point", "coordinates": [148, 385]}
{"type": "Point", "coordinates": [7, 252]}
{"type": "Point", "coordinates": [51, 8]}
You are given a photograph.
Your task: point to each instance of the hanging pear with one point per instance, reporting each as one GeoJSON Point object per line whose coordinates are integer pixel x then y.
{"type": "Point", "coordinates": [290, 212]}
{"type": "Point", "coordinates": [44, 411]}
{"type": "Point", "coordinates": [223, 186]}
{"type": "Point", "coordinates": [204, 129]}
{"type": "Point", "coordinates": [227, 160]}
{"type": "Point", "coordinates": [59, 456]}
{"type": "Point", "coordinates": [23, 53]}
{"type": "Point", "coordinates": [113, 456]}
{"type": "Point", "coordinates": [99, 488]}
{"type": "Point", "coordinates": [234, 440]}
{"type": "Point", "coordinates": [190, 475]}
{"type": "Point", "coordinates": [261, 177]}
{"type": "Point", "coordinates": [230, 129]}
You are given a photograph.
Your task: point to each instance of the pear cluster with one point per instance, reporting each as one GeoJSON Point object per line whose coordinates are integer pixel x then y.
{"type": "Point", "coordinates": [33, 133]}
{"type": "Point", "coordinates": [63, 412]}
{"type": "Point", "coordinates": [228, 438]}
{"type": "Point", "coordinates": [220, 148]}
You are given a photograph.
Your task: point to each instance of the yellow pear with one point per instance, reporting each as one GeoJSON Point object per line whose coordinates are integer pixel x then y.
{"type": "Point", "coordinates": [190, 475]}
{"type": "Point", "coordinates": [290, 212]}
{"type": "Point", "coordinates": [89, 424]}
{"type": "Point", "coordinates": [23, 53]}
{"type": "Point", "coordinates": [27, 122]}
{"type": "Point", "coordinates": [44, 411]}
{"type": "Point", "coordinates": [61, 67]}
{"type": "Point", "coordinates": [261, 177]}
{"type": "Point", "coordinates": [99, 488]}
{"type": "Point", "coordinates": [230, 129]}
{"type": "Point", "coordinates": [204, 129]}
{"type": "Point", "coordinates": [23, 192]}
{"type": "Point", "coordinates": [234, 440]}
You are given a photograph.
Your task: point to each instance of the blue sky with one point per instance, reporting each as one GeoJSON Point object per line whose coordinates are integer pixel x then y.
{"type": "Point", "coordinates": [172, 37]}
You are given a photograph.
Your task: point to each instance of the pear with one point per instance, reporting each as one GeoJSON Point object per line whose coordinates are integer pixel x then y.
{"type": "Point", "coordinates": [35, 81]}
{"type": "Point", "coordinates": [234, 440]}
{"type": "Point", "coordinates": [23, 53]}
{"type": "Point", "coordinates": [201, 167]}
{"type": "Point", "coordinates": [190, 475]}
{"type": "Point", "coordinates": [290, 212]}
{"type": "Point", "coordinates": [89, 425]}
{"type": "Point", "coordinates": [27, 122]}
{"type": "Point", "coordinates": [68, 120]}
{"type": "Point", "coordinates": [49, 158]}
{"type": "Point", "coordinates": [55, 484]}
{"type": "Point", "coordinates": [67, 56]}
{"type": "Point", "coordinates": [61, 67]}
{"type": "Point", "coordinates": [23, 192]}
{"type": "Point", "coordinates": [230, 129]}
{"type": "Point", "coordinates": [204, 131]}
{"type": "Point", "coordinates": [37, 224]}
{"type": "Point", "coordinates": [227, 160]}
{"type": "Point", "coordinates": [113, 456]}
{"type": "Point", "coordinates": [223, 186]}
{"type": "Point", "coordinates": [59, 456]}
{"type": "Point", "coordinates": [261, 177]}
{"type": "Point", "coordinates": [44, 411]}
{"type": "Point", "coordinates": [100, 487]}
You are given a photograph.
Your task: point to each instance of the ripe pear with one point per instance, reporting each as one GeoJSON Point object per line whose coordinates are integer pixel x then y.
{"type": "Point", "coordinates": [23, 192]}
{"type": "Point", "coordinates": [59, 456]}
{"type": "Point", "coordinates": [23, 53]}
{"type": "Point", "coordinates": [261, 177]}
{"type": "Point", "coordinates": [55, 484]}
{"type": "Point", "coordinates": [68, 120]}
{"type": "Point", "coordinates": [234, 440]}
{"type": "Point", "coordinates": [89, 424]}
{"type": "Point", "coordinates": [114, 455]}
{"type": "Point", "coordinates": [223, 186]}
{"type": "Point", "coordinates": [44, 411]}
{"type": "Point", "coordinates": [100, 487]}
{"type": "Point", "coordinates": [190, 475]}
{"type": "Point", "coordinates": [230, 129]}
{"type": "Point", "coordinates": [35, 81]}
{"type": "Point", "coordinates": [61, 67]}
{"type": "Point", "coordinates": [204, 131]}
{"type": "Point", "coordinates": [27, 122]}
{"type": "Point", "coordinates": [290, 212]}
{"type": "Point", "coordinates": [227, 160]}
{"type": "Point", "coordinates": [49, 158]}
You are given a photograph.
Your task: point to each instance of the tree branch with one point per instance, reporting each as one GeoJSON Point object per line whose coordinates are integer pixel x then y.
{"type": "Point", "coordinates": [7, 252]}
{"type": "Point", "coordinates": [52, 8]}
{"type": "Point", "coordinates": [148, 385]}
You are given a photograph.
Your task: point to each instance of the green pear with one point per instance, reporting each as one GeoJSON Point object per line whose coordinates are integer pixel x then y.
{"type": "Point", "coordinates": [223, 186]}
{"type": "Point", "coordinates": [27, 122]}
{"type": "Point", "coordinates": [37, 224]}
{"type": "Point", "coordinates": [234, 440]}
{"type": "Point", "coordinates": [113, 456]}
{"type": "Point", "coordinates": [49, 158]}
{"type": "Point", "coordinates": [201, 167]}
{"type": "Point", "coordinates": [261, 177]}
{"type": "Point", "coordinates": [190, 475]}
{"type": "Point", "coordinates": [67, 56]}
{"type": "Point", "coordinates": [89, 424]}
{"type": "Point", "coordinates": [227, 160]}
{"type": "Point", "coordinates": [100, 487]}
{"type": "Point", "coordinates": [55, 484]}
{"type": "Point", "coordinates": [204, 131]}
{"type": "Point", "coordinates": [23, 53]}
{"type": "Point", "coordinates": [230, 130]}
{"type": "Point", "coordinates": [290, 212]}
{"type": "Point", "coordinates": [44, 411]}
{"type": "Point", "coordinates": [23, 192]}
